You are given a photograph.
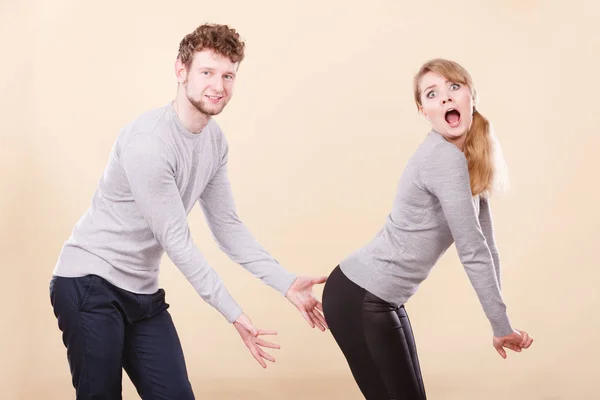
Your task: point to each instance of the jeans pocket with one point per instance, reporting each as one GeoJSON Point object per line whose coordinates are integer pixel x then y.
{"type": "Point", "coordinates": [85, 285]}
{"type": "Point", "coordinates": [51, 285]}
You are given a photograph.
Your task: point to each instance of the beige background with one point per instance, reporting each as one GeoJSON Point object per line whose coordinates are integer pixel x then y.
{"type": "Point", "coordinates": [320, 127]}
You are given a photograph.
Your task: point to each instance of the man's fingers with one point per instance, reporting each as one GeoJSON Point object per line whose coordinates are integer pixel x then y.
{"type": "Point", "coordinates": [307, 318]}
{"type": "Point", "coordinates": [320, 321]}
{"type": "Point", "coordinates": [264, 343]}
{"type": "Point", "coordinates": [321, 318]}
{"type": "Point", "coordinates": [251, 329]}
{"type": "Point", "coordinates": [321, 279]}
{"type": "Point", "coordinates": [265, 355]}
{"type": "Point", "coordinates": [266, 332]}
{"type": "Point", "coordinates": [319, 306]}
{"type": "Point", "coordinates": [256, 355]}
{"type": "Point", "coordinates": [315, 320]}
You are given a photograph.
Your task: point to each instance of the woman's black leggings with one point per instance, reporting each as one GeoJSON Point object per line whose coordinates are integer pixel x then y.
{"type": "Point", "coordinates": [376, 338]}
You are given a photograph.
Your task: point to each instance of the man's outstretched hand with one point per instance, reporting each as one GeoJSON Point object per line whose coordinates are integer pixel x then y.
{"type": "Point", "coordinates": [251, 337]}
{"type": "Point", "coordinates": [300, 294]}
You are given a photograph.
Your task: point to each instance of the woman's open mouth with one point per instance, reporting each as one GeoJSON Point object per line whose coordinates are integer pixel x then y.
{"type": "Point", "coordinates": [452, 117]}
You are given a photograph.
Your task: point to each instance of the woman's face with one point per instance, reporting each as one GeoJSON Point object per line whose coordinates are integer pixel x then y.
{"type": "Point", "coordinates": [447, 105]}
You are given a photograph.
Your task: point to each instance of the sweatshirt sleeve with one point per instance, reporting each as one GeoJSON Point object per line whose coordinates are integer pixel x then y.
{"type": "Point", "coordinates": [487, 227]}
{"type": "Point", "coordinates": [152, 182]}
{"type": "Point", "coordinates": [233, 237]}
{"type": "Point", "coordinates": [446, 176]}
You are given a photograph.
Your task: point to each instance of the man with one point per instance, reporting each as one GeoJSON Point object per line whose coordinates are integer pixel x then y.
{"type": "Point", "coordinates": [104, 289]}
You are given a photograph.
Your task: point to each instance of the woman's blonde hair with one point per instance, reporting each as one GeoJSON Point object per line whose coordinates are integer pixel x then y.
{"type": "Point", "coordinates": [487, 169]}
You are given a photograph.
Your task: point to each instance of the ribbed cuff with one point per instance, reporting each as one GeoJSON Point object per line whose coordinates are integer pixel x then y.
{"type": "Point", "coordinates": [501, 326]}
{"type": "Point", "coordinates": [229, 308]}
{"type": "Point", "coordinates": [283, 281]}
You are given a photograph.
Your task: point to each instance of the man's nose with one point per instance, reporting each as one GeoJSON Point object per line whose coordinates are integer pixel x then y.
{"type": "Point", "coordinates": [217, 84]}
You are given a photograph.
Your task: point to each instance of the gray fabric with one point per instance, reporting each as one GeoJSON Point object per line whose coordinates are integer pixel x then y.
{"type": "Point", "coordinates": [156, 172]}
{"type": "Point", "coordinates": [433, 208]}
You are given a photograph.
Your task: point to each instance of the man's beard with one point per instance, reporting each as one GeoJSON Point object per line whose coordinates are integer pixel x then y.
{"type": "Point", "coordinates": [200, 106]}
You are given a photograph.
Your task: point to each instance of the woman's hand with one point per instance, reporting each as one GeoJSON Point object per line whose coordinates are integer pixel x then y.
{"type": "Point", "coordinates": [515, 341]}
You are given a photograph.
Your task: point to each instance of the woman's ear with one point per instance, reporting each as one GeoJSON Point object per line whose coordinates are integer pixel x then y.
{"type": "Point", "coordinates": [423, 113]}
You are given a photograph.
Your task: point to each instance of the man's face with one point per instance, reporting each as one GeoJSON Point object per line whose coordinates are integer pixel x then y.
{"type": "Point", "coordinates": [208, 82]}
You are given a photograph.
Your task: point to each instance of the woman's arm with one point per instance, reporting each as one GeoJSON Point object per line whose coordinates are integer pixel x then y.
{"type": "Point", "coordinates": [487, 227]}
{"type": "Point", "coordinates": [446, 176]}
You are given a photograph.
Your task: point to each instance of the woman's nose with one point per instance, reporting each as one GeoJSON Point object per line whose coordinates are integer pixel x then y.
{"type": "Point", "coordinates": [447, 99]}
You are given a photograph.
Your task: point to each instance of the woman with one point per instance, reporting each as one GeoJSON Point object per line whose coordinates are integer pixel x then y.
{"type": "Point", "coordinates": [442, 198]}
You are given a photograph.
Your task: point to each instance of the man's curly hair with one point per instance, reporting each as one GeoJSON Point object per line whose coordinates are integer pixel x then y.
{"type": "Point", "coordinates": [220, 38]}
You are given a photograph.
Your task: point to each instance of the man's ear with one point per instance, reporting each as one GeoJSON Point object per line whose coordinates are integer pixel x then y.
{"type": "Point", "coordinates": [180, 71]}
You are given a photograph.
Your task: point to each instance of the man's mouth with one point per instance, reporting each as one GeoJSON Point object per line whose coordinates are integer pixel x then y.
{"type": "Point", "coordinates": [214, 98]}
{"type": "Point", "coordinates": [452, 117]}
